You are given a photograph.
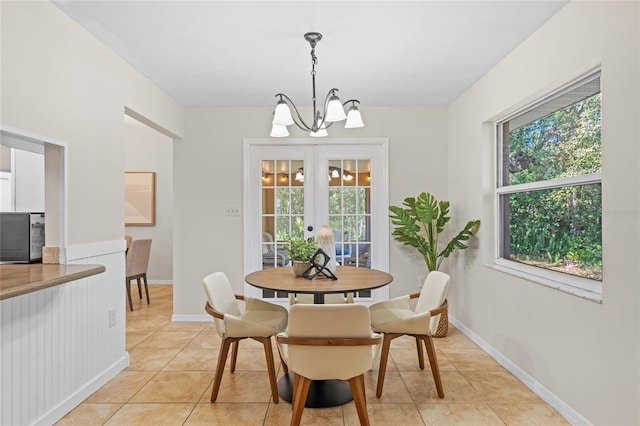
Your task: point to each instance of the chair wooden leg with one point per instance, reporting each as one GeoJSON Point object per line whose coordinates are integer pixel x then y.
{"type": "Point", "coordinates": [285, 367]}
{"type": "Point", "coordinates": [297, 380]}
{"type": "Point", "coordinates": [300, 392]}
{"type": "Point", "coordinates": [138, 280]}
{"type": "Point", "coordinates": [128, 285]}
{"type": "Point", "coordinates": [360, 398]}
{"type": "Point", "coordinates": [146, 286]}
{"type": "Point", "coordinates": [433, 361]}
{"type": "Point", "coordinates": [268, 351]}
{"type": "Point", "coordinates": [420, 354]}
{"type": "Point", "coordinates": [222, 360]}
{"type": "Point", "coordinates": [384, 355]}
{"type": "Point", "coordinates": [234, 355]}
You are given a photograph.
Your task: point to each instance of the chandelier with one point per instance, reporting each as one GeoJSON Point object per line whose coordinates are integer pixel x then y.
{"type": "Point", "coordinates": [332, 111]}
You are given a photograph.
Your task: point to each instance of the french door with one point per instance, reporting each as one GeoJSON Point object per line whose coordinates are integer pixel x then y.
{"type": "Point", "coordinates": [292, 189]}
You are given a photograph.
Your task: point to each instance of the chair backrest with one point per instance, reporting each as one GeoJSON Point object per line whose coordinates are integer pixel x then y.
{"type": "Point", "coordinates": [137, 258]}
{"type": "Point", "coordinates": [128, 239]}
{"type": "Point", "coordinates": [330, 321]}
{"type": "Point", "coordinates": [221, 298]}
{"type": "Point", "coordinates": [434, 292]}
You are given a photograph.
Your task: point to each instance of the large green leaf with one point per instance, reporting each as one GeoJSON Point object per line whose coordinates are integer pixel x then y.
{"type": "Point", "coordinates": [442, 217]}
{"type": "Point", "coordinates": [421, 221]}
{"type": "Point", "coordinates": [456, 242]}
{"type": "Point", "coordinates": [407, 231]}
{"type": "Point", "coordinates": [426, 209]}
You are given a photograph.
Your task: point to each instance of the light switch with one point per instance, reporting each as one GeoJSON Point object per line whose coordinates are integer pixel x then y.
{"type": "Point", "coordinates": [232, 211]}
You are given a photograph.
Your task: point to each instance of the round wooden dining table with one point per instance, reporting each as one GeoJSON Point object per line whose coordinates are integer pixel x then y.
{"type": "Point", "coordinates": [350, 279]}
{"type": "Point", "coordinates": [322, 393]}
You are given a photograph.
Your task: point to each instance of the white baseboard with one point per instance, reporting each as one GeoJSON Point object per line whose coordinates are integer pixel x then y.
{"type": "Point", "coordinates": [571, 415]}
{"type": "Point", "coordinates": [161, 282]}
{"type": "Point", "coordinates": [191, 318]}
{"type": "Point", "coordinates": [83, 393]}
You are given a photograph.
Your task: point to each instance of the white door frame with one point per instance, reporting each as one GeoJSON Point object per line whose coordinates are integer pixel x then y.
{"type": "Point", "coordinates": [380, 179]}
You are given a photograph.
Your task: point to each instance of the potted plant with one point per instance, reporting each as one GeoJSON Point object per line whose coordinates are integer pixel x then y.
{"type": "Point", "coordinates": [419, 223]}
{"type": "Point", "coordinates": [300, 252]}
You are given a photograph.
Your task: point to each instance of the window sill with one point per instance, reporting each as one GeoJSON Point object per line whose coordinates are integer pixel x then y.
{"type": "Point", "coordinates": [554, 280]}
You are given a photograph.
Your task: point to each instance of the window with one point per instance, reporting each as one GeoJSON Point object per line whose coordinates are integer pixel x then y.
{"type": "Point", "coordinates": [549, 188]}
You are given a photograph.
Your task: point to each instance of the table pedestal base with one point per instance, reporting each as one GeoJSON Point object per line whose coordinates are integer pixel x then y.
{"type": "Point", "coordinates": [322, 393]}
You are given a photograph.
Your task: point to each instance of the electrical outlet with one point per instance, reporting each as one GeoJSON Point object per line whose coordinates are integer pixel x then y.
{"type": "Point", "coordinates": [112, 317]}
{"type": "Point", "coordinates": [232, 211]}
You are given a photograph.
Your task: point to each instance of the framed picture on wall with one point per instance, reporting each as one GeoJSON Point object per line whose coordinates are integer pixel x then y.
{"type": "Point", "coordinates": [139, 198]}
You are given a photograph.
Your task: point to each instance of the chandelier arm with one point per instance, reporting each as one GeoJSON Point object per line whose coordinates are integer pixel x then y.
{"type": "Point", "coordinates": [350, 100]}
{"type": "Point", "coordinates": [300, 121]}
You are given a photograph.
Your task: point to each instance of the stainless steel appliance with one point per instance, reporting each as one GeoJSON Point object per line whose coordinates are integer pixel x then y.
{"type": "Point", "coordinates": [21, 237]}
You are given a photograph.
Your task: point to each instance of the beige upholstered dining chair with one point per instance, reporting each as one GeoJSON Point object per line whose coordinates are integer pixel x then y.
{"type": "Point", "coordinates": [137, 262]}
{"type": "Point", "coordinates": [258, 321]}
{"type": "Point", "coordinates": [395, 318]}
{"type": "Point", "coordinates": [326, 342]}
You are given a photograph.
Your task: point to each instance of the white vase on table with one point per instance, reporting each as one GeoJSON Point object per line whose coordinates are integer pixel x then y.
{"type": "Point", "coordinates": [326, 242]}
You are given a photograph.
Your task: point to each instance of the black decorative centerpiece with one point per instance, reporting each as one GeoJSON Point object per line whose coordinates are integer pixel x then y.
{"type": "Point", "coordinates": [319, 262]}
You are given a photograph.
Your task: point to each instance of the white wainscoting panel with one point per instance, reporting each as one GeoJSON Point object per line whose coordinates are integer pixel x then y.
{"type": "Point", "coordinates": [57, 346]}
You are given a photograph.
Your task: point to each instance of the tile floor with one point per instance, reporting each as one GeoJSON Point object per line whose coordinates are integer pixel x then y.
{"type": "Point", "coordinates": [172, 365]}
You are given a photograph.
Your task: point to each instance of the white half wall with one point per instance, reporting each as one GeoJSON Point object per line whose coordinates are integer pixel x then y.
{"type": "Point", "coordinates": [56, 344]}
{"type": "Point", "coordinates": [585, 353]}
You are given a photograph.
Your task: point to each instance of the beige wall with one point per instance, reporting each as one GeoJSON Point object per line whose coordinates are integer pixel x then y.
{"type": "Point", "coordinates": [147, 150]}
{"type": "Point", "coordinates": [585, 353]}
{"type": "Point", "coordinates": [61, 83]}
{"type": "Point", "coordinates": [208, 176]}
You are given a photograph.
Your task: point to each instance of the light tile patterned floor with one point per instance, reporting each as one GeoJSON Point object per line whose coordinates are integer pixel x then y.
{"type": "Point", "coordinates": [172, 365]}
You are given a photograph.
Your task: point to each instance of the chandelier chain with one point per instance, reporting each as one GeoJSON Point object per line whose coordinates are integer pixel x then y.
{"type": "Point", "coordinates": [314, 61]}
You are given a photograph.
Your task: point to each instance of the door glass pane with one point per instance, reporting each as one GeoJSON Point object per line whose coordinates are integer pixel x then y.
{"type": "Point", "coordinates": [283, 173]}
{"type": "Point", "coordinates": [297, 201]}
{"type": "Point", "coordinates": [282, 204]}
{"type": "Point", "coordinates": [350, 211]}
{"type": "Point", "coordinates": [282, 212]}
{"type": "Point", "coordinates": [297, 227]}
{"type": "Point", "coordinates": [282, 201]}
{"type": "Point", "coordinates": [335, 201]}
{"type": "Point", "coordinates": [349, 200]}
{"type": "Point", "coordinates": [284, 228]}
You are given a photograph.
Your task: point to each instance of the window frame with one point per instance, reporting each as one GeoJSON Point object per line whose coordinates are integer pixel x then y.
{"type": "Point", "coordinates": [579, 286]}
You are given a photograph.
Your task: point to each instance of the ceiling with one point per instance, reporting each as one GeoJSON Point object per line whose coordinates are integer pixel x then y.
{"type": "Point", "coordinates": [241, 53]}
